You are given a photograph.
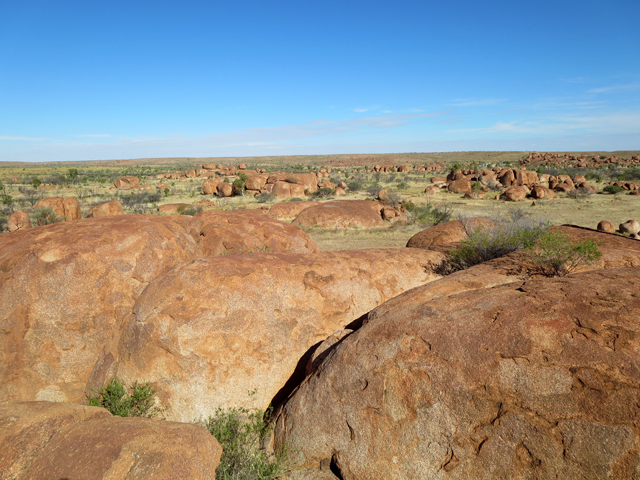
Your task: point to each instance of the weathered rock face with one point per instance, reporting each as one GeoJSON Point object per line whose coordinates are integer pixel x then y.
{"type": "Point", "coordinates": [210, 331]}
{"type": "Point", "coordinates": [58, 440]}
{"type": "Point", "coordinates": [308, 181]}
{"type": "Point", "coordinates": [606, 226]}
{"type": "Point", "coordinates": [67, 207]}
{"type": "Point", "coordinates": [448, 232]}
{"type": "Point", "coordinates": [630, 226]}
{"type": "Point", "coordinates": [210, 186]}
{"type": "Point", "coordinates": [65, 291]}
{"type": "Point", "coordinates": [173, 208]}
{"type": "Point", "coordinates": [225, 189]}
{"type": "Point", "coordinates": [526, 177]}
{"type": "Point", "coordinates": [284, 210]}
{"type": "Point", "coordinates": [242, 231]}
{"type": "Point", "coordinates": [108, 209]}
{"type": "Point", "coordinates": [19, 221]}
{"type": "Point", "coordinates": [287, 190]}
{"type": "Point", "coordinates": [514, 194]}
{"type": "Point", "coordinates": [342, 213]}
{"type": "Point", "coordinates": [459, 186]}
{"type": "Point", "coordinates": [534, 379]}
{"type": "Point", "coordinates": [256, 182]}
{"type": "Point", "coordinates": [126, 183]}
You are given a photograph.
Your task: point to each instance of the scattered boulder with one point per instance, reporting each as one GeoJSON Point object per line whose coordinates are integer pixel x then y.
{"type": "Point", "coordinates": [19, 221]}
{"type": "Point", "coordinates": [57, 440]}
{"type": "Point", "coordinates": [514, 194]}
{"type": "Point", "coordinates": [432, 189]}
{"type": "Point", "coordinates": [448, 232]}
{"type": "Point", "coordinates": [383, 195]}
{"type": "Point", "coordinates": [108, 209]}
{"type": "Point", "coordinates": [526, 177]}
{"type": "Point", "coordinates": [439, 180]}
{"type": "Point", "coordinates": [173, 208]}
{"type": "Point", "coordinates": [225, 189]}
{"type": "Point", "coordinates": [256, 182]}
{"type": "Point", "coordinates": [209, 331]}
{"type": "Point", "coordinates": [126, 183]}
{"type": "Point", "coordinates": [67, 207]}
{"type": "Point", "coordinates": [528, 386]}
{"type": "Point", "coordinates": [459, 186]}
{"type": "Point", "coordinates": [630, 226]}
{"type": "Point", "coordinates": [210, 186]}
{"type": "Point", "coordinates": [288, 190]}
{"type": "Point", "coordinates": [564, 187]}
{"type": "Point", "coordinates": [66, 290]}
{"type": "Point", "coordinates": [283, 210]}
{"type": "Point", "coordinates": [242, 231]}
{"type": "Point", "coordinates": [606, 226]}
{"type": "Point", "coordinates": [340, 192]}
{"type": "Point", "coordinates": [343, 214]}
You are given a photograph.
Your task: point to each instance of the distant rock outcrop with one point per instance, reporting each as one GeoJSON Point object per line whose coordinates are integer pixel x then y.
{"type": "Point", "coordinates": [343, 214]}
{"type": "Point", "coordinates": [108, 209]}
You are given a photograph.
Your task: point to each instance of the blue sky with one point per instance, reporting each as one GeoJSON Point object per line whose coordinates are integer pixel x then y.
{"type": "Point", "coordinates": [104, 80]}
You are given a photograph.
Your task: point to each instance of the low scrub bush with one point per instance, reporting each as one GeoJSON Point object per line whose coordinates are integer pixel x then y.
{"type": "Point", "coordinates": [265, 197]}
{"type": "Point", "coordinates": [115, 398]}
{"type": "Point", "coordinates": [613, 189]}
{"type": "Point", "coordinates": [486, 243]}
{"type": "Point", "coordinates": [430, 214]}
{"type": "Point", "coordinates": [241, 431]}
{"type": "Point", "coordinates": [555, 254]}
{"type": "Point", "coordinates": [46, 216]}
{"type": "Point", "coordinates": [323, 192]}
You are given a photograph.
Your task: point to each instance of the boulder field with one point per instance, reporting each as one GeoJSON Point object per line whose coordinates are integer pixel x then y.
{"type": "Point", "coordinates": [532, 379]}
{"type": "Point", "coordinates": [207, 333]}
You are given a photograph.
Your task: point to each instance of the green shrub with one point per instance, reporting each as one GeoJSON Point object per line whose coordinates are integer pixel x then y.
{"type": "Point", "coordinates": [46, 216]}
{"type": "Point", "coordinates": [115, 398]}
{"type": "Point", "coordinates": [323, 192]}
{"type": "Point", "coordinates": [241, 431]}
{"type": "Point", "coordinates": [613, 189]}
{"type": "Point", "coordinates": [265, 197]}
{"type": "Point", "coordinates": [486, 243]}
{"type": "Point", "coordinates": [556, 254]}
{"type": "Point", "coordinates": [244, 177]}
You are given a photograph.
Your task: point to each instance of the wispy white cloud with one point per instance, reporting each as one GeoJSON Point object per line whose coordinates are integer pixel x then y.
{"type": "Point", "coordinates": [95, 135]}
{"type": "Point", "coordinates": [476, 102]}
{"type": "Point", "coordinates": [616, 88]}
{"type": "Point", "coordinates": [22, 139]}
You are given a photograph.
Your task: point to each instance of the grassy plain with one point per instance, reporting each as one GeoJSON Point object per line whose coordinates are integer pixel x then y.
{"type": "Point", "coordinates": [94, 184]}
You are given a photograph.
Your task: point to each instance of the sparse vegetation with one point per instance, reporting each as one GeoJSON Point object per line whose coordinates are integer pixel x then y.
{"type": "Point", "coordinates": [46, 216]}
{"type": "Point", "coordinates": [241, 431]}
{"type": "Point", "coordinates": [556, 254]}
{"type": "Point", "coordinates": [115, 398]}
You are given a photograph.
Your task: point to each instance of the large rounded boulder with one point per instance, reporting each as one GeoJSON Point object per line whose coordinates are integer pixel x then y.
{"type": "Point", "coordinates": [342, 214]}
{"type": "Point", "coordinates": [284, 210]}
{"type": "Point", "coordinates": [448, 232]}
{"type": "Point", "coordinates": [532, 379]}
{"type": "Point", "coordinates": [209, 332]}
{"type": "Point", "coordinates": [241, 231]}
{"type": "Point", "coordinates": [65, 292]}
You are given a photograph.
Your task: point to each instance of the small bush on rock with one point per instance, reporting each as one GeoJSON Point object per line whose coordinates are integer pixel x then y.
{"type": "Point", "coordinates": [240, 431]}
{"type": "Point", "coordinates": [115, 398]}
{"type": "Point", "coordinates": [556, 254]}
{"type": "Point", "coordinates": [613, 189]}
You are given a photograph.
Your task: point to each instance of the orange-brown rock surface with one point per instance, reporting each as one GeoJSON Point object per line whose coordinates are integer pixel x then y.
{"type": "Point", "coordinates": [173, 208]}
{"type": "Point", "coordinates": [67, 207]}
{"type": "Point", "coordinates": [108, 209]}
{"type": "Point", "coordinates": [126, 183]}
{"type": "Point", "coordinates": [283, 210]}
{"type": "Point", "coordinates": [65, 291]}
{"type": "Point", "coordinates": [19, 221]}
{"type": "Point", "coordinates": [57, 440]}
{"type": "Point", "coordinates": [218, 232]}
{"type": "Point", "coordinates": [342, 213]}
{"type": "Point", "coordinates": [448, 232]}
{"type": "Point", "coordinates": [208, 332]}
{"type": "Point", "coordinates": [532, 379]}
